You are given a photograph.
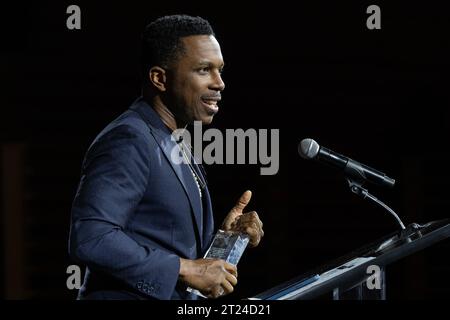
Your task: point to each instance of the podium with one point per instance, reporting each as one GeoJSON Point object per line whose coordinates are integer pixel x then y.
{"type": "Point", "coordinates": [360, 275]}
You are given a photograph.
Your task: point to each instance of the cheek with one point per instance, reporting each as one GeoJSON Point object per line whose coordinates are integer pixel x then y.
{"type": "Point", "coordinates": [188, 91]}
{"type": "Point", "coordinates": [183, 94]}
{"type": "Point", "coordinates": [193, 91]}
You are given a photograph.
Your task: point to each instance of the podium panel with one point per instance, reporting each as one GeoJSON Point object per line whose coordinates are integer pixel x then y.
{"type": "Point", "coordinates": [360, 274]}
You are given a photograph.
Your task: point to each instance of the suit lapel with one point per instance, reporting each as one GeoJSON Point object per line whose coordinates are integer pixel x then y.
{"type": "Point", "coordinates": [167, 144]}
{"type": "Point", "coordinates": [185, 176]}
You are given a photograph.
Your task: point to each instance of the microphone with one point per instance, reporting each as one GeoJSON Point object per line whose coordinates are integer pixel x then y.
{"type": "Point", "coordinates": [310, 149]}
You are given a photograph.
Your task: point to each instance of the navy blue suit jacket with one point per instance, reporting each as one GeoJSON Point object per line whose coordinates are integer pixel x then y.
{"type": "Point", "coordinates": [136, 212]}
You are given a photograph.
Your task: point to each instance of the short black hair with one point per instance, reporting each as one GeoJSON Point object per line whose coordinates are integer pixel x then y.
{"type": "Point", "coordinates": [161, 43]}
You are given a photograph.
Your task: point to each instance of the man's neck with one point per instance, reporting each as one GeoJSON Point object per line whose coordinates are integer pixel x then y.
{"type": "Point", "coordinates": [167, 117]}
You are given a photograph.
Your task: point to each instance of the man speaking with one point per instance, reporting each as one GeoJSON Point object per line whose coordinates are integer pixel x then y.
{"type": "Point", "coordinates": [140, 222]}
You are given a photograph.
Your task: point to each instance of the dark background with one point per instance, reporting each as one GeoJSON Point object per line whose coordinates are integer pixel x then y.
{"type": "Point", "coordinates": [309, 69]}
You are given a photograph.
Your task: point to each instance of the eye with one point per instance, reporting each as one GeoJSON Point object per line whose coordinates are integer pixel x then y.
{"type": "Point", "coordinates": [204, 70]}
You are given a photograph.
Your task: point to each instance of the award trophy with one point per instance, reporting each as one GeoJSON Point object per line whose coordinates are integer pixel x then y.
{"type": "Point", "coordinates": [228, 246]}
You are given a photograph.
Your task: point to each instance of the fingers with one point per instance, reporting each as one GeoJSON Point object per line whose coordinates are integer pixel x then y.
{"type": "Point", "coordinates": [227, 282]}
{"type": "Point", "coordinates": [212, 277]}
{"type": "Point", "coordinates": [230, 279]}
{"type": "Point", "coordinates": [254, 236]}
{"type": "Point", "coordinates": [254, 217]}
{"type": "Point", "coordinates": [227, 288]}
{"type": "Point", "coordinates": [250, 224]}
{"type": "Point", "coordinates": [251, 216]}
{"type": "Point", "coordinates": [247, 220]}
{"type": "Point", "coordinates": [243, 201]}
{"type": "Point", "coordinates": [230, 268]}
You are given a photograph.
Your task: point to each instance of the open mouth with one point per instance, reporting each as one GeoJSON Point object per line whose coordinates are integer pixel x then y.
{"type": "Point", "coordinates": [211, 104]}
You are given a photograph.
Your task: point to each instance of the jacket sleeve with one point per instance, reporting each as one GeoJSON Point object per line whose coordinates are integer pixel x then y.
{"type": "Point", "coordinates": [114, 179]}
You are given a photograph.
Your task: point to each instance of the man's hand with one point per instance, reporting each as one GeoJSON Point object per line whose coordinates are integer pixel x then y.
{"type": "Point", "coordinates": [212, 277]}
{"type": "Point", "coordinates": [248, 223]}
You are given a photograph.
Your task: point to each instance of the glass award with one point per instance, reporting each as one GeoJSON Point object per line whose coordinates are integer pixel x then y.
{"type": "Point", "coordinates": [228, 246]}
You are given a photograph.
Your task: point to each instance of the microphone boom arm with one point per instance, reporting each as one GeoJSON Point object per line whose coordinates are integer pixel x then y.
{"type": "Point", "coordinates": [357, 188]}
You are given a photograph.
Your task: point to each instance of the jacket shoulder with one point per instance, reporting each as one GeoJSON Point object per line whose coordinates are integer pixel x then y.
{"type": "Point", "coordinates": [128, 123]}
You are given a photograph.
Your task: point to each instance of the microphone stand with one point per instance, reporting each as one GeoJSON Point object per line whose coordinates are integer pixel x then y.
{"type": "Point", "coordinates": [357, 188]}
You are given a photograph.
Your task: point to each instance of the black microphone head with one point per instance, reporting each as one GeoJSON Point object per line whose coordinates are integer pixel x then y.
{"type": "Point", "coordinates": [308, 148]}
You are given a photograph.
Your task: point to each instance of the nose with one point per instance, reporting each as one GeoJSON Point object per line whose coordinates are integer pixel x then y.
{"type": "Point", "coordinates": [217, 83]}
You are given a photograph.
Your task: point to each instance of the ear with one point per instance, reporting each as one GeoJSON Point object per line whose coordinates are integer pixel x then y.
{"type": "Point", "coordinates": [158, 78]}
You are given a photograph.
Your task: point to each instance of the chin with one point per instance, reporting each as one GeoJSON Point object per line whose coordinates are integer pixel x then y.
{"type": "Point", "coordinates": [206, 120]}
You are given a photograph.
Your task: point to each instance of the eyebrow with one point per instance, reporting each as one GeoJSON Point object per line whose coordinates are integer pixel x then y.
{"type": "Point", "coordinates": [210, 64]}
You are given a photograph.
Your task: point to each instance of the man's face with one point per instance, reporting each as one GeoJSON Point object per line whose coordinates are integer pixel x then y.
{"type": "Point", "coordinates": [194, 80]}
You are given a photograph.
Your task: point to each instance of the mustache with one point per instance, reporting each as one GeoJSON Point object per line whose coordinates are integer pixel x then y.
{"type": "Point", "coordinates": [215, 96]}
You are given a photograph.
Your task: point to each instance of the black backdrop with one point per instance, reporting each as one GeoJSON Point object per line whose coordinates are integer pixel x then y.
{"type": "Point", "coordinates": [309, 69]}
